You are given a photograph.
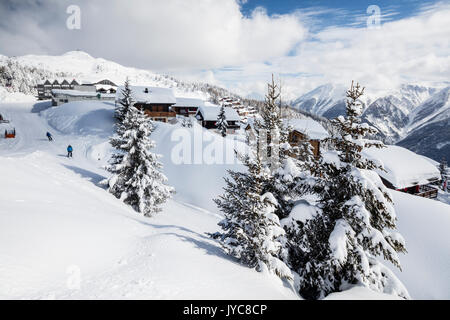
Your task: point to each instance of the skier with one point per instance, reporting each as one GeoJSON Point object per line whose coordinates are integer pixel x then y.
{"type": "Point", "coordinates": [49, 136]}
{"type": "Point", "coordinates": [69, 151]}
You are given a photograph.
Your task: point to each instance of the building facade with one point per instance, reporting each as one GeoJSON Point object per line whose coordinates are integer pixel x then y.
{"type": "Point", "coordinates": [154, 101]}
{"type": "Point", "coordinates": [187, 106]}
{"type": "Point", "coordinates": [44, 90]}
{"type": "Point", "coordinates": [207, 117]}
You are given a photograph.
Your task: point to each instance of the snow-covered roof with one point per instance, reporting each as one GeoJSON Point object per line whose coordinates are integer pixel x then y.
{"type": "Point", "coordinates": [310, 127]}
{"type": "Point", "coordinates": [154, 95]}
{"type": "Point", "coordinates": [104, 86]}
{"type": "Point", "coordinates": [404, 168]}
{"type": "Point", "coordinates": [210, 113]}
{"type": "Point", "coordinates": [78, 93]}
{"type": "Point", "coordinates": [189, 102]}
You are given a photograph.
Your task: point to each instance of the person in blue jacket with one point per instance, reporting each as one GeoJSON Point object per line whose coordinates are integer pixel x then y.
{"type": "Point", "coordinates": [49, 136]}
{"type": "Point", "coordinates": [69, 151]}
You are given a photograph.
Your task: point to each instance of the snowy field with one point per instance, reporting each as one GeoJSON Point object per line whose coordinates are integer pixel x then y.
{"type": "Point", "coordinates": [62, 236]}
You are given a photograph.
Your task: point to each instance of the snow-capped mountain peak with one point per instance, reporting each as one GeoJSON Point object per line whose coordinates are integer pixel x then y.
{"type": "Point", "coordinates": [396, 113]}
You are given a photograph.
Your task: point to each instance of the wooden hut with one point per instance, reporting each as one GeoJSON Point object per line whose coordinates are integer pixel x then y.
{"type": "Point", "coordinates": [154, 101]}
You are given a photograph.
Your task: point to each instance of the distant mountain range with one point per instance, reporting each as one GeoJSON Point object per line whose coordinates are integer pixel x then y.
{"type": "Point", "coordinates": [415, 117]}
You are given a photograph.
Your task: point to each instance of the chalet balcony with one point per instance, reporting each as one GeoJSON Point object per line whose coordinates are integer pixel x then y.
{"type": "Point", "coordinates": [427, 192]}
{"type": "Point", "coordinates": [160, 114]}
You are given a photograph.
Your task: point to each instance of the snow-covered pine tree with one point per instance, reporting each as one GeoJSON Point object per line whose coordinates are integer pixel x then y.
{"type": "Point", "coordinates": [273, 132]}
{"type": "Point", "coordinates": [222, 124]}
{"type": "Point", "coordinates": [342, 244]}
{"type": "Point", "coordinates": [283, 160]}
{"type": "Point", "coordinates": [118, 140]}
{"type": "Point", "coordinates": [252, 230]}
{"type": "Point", "coordinates": [125, 102]}
{"type": "Point", "coordinates": [137, 178]}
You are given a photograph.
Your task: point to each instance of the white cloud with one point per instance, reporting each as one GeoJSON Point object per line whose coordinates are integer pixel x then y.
{"type": "Point", "coordinates": [156, 34]}
{"type": "Point", "coordinates": [412, 50]}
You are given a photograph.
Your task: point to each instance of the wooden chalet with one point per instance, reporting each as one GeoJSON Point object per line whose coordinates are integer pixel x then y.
{"type": "Point", "coordinates": [306, 130]}
{"type": "Point", "coordinates": [187, 106]}
{"type": "Point", "coordinates": [156, 102]}
{"type": "Point", "coordinates": [300, 130]}
{"type": "Point", "coordinates": [405, 170]}
{"type": "Point", "coordinates": [207, 116]}
{"type": "Point", "coordinates": [295, 137]}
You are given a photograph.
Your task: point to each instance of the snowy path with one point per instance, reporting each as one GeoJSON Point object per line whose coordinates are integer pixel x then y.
{"type": "Point", "coordinates": [62, 236]}
{"type": "Point", "coordinates": [31, 136]}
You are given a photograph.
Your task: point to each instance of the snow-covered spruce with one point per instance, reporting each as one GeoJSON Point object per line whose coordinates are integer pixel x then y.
{"type": "Point", "coordinates": [282, 160]}
{"type": "Point", "coordinates": [137, 179]}
{"type": "Point", "coordinates": [125, 102]}
{"type": "Point", "coordinates": [17, 77]}
{"type": "Point", "coordinates": [121, 110]}
{"type": "Point", "coordinates": [252, 230]}
{"type": "Point", "coordinates": [222, 124]}
{"type": "Point", "coordinates": [340, 245]}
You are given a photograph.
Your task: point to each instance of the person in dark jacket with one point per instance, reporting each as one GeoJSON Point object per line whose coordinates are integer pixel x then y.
{"type": "Point", "coordinates": [49, 136]}
{"type": "Point", "coordinates": [69, 151]}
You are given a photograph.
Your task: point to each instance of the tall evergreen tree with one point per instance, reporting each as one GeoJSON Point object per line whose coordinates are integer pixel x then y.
{"type": "Point", "coordinates": [271, 127]}
{"type": "Point", "coordinates": [118, 139]}
{"type": "Point", "coordinates": [125, 102]}
{"type": "Point", "coordinates": [136, 171]}
{"type": "Point", "coordinates": [222, 124]}
{"type": "Point", "coordinates": [252, 230]}
{"type": "Point", "coordinates": [286, 168]}
{"type": "Point", "coordinates": [356, 220]}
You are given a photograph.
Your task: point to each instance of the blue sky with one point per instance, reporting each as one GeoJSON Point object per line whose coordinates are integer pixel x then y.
{"type": "Point", "coordinates": [339, 13]}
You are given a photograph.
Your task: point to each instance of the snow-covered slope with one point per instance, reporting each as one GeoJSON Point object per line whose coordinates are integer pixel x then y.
{"type": "Point", "coordinates": [424, 224]}
{"type": "Point", "coordinates": [390, 113]}
{"type": "Point", "coordinates": [6, 96]}
{"type": "Point", "coordinates": [327, 100]}
{"type": "Point", "coordinates": [57, 223]}
{"type": "Point", "coordinates": [58, 226]}
{"type": "Point", "coordinates": [428, 132]}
